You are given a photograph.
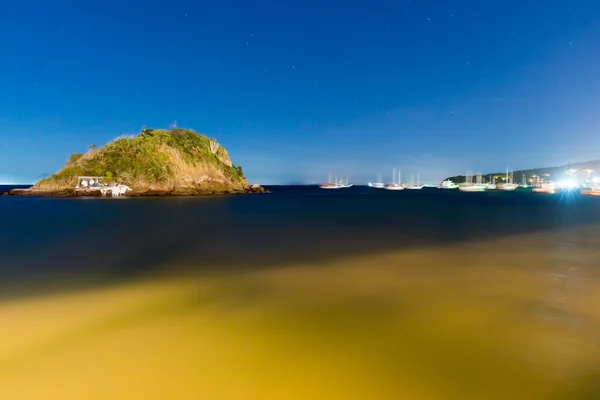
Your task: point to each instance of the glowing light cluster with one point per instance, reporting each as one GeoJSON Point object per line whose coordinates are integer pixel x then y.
{"type": "Point", "coordinates": [567, 184]}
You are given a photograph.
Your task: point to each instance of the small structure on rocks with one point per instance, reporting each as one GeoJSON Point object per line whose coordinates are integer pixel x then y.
{"type": "Point", "coordinates": [95, 183]}
{"type": "Point", "coordinates": [90, 182]}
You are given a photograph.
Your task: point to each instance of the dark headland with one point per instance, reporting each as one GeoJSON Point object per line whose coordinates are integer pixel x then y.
{"type": "Point", "coordinates": [550, 173]}
{"type": "Point", "coordinates": [156, 162]}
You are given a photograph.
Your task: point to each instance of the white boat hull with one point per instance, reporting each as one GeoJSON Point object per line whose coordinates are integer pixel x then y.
{"type": "Point", "coordinates": [474, 188]}
{"type": "Point", "coordinates": [447, 184]}
{"type": "Point", "coordinates": [330, 187]}
{"type": "Point", "coordinates": [377, 185]}
{"type": "Point", "coordinates": [540, 190]}
{"type": "Point", "coordinates": [394, 188]}
{"type": "Point", "coordinates": [507, 186]}
{"type": "Point", "coordinates": [545, 188]}
{"type": "Point", "coordinates": [335, 186]}
{"type": "Point", "coordinates": [591, 192]}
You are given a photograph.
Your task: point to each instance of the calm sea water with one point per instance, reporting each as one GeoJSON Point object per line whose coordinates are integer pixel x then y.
{"type": "Point", "coordinates": [426, 294]}
{"type": "Point", "coordinates": [290, 225]}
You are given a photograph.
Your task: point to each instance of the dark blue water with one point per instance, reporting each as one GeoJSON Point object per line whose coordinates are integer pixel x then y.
{"type": "Point", "coordinates": [45, 238]}
{"type": "Point", "coordinates": [6, 188]}
{"type": "Point", "coordinates": [74, 244]}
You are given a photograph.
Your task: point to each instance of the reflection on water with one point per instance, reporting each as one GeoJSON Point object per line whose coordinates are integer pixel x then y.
{"type": "Point", "coordinates": [301, 296]}
{"type": "Point", "coordinates": [563, 294]}
{"type": "Point", "coordinates": [492, 319]}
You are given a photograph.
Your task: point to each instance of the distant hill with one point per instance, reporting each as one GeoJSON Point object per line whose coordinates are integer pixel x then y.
{"type": "Point", "coordinates": [156, 159]}
{"type": "Point", "coordinates": [547, 173]}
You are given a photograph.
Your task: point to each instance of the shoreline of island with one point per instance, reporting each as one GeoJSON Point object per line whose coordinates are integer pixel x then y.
{"type": "Point", "coordinates": [175, 192]}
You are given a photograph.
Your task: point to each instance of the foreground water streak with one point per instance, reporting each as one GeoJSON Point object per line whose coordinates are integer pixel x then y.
{"type": "Point", "coordinates": [301, 295]}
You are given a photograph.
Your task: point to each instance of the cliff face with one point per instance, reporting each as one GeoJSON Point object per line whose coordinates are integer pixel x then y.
{"type": "Point", "coordinates": [177, 160]}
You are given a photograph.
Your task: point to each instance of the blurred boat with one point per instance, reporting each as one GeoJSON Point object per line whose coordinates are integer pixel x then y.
{"type": "Point", "coordinates": [469, 186]}
{"type": "Point", "coordinates": [546, 187]}
{"type": "Point", "coordinates": [395, 185]}
{"type": "Point", "coordinates": [378, 184]}
{"type": "Point", "coordinates": [332, 185]}
{"type": "Point", "coordinates": [414, 186]}
{"type": "Point", "coordinates": [447, 184]}
{"type": "Point", "coordinates": [508, 183]}
{"type": "Point", "coordinates": [593, 191]}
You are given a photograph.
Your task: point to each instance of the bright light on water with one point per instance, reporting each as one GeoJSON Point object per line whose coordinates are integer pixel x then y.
{"type": "Point", "coordinates": [487, 320]}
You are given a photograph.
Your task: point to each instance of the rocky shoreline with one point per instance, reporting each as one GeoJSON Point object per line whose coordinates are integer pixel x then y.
{"type": "Point", "coordinates": [176, 192]}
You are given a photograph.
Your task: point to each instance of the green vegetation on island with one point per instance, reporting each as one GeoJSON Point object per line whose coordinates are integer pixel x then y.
{"type": "Point", "coordinates": [582, 170]}
{"type": "Point", "coordinates": [155, 159]}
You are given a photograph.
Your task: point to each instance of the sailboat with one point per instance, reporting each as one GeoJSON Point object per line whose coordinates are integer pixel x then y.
{"type": "Point", "coordinates": [378, 184]}
{"type": "Point", "coordinates": [331, 185]}
{"type": "Point", "coordinates": [491, 185]}
{"type": "Point", "coordinates": [394, 185]}
{"type": "Point", "coordinates": [507, 184]}
{"type": "Point", "coordinates": [523, 181]}
{"type": "Point", "coordinates": [345, 184]}
{"type": "Point", "coordinates": [544, 187]}
{"type": "Point", "coordinates": [413, 186]}
{"type": "Point", "coordinates": [469, 186]}
{"type": "Point", "coordinates": [593, 190]}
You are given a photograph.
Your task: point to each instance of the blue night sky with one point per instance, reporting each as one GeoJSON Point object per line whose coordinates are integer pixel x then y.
{"type": "Point", "coordinates": [297, 89]}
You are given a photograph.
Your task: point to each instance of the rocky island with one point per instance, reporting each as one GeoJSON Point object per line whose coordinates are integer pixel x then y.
{"type": "Point", "coordinates": [156, 162]}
